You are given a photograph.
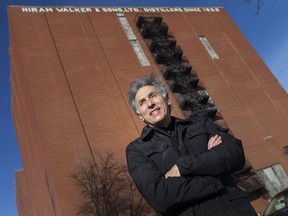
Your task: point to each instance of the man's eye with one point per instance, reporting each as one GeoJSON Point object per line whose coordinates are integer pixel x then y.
{"type": "Point", "coordinates": [154, 95]}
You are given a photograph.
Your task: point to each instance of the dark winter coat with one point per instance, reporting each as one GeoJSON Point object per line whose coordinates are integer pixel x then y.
{"type": "Point", "coordinates": [205, 187]}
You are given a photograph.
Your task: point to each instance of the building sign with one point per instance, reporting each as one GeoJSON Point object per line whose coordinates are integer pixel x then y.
{"type": "Point", "coordinates": [118, 9]}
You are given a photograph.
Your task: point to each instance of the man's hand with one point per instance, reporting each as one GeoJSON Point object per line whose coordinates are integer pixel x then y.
{"type": "Point", "coordinates": [173, 172]}
{"type": "Point", "coordinates": [214, 141]}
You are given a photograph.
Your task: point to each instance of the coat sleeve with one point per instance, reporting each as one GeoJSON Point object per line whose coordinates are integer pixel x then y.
{"type": "Point", "coordinates": [167, 194]}
{"type": "Point", "coordinates": [224, 158]}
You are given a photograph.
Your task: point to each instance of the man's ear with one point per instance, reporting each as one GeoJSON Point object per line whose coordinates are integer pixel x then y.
{"type": "Point", "coordinates": [168, 100]}
{"type": "Point", "coordinates": [141, 117]}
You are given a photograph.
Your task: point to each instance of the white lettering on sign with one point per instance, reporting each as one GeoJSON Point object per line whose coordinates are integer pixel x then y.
{"type": "Point", "coordinates": [211, 9]}
{"type": "Point", "coordinates": [120, 10]}
{"type": "Point", "coordinates": [117, 9]}
{"type": "Point", "coordinates": [74, 10]}
{"type": "Point", "coordinates": [163, 10]}
{"type": "Point", "coordinates": [192, 9]}
{"type": "Point", "coordinates": [36, 10]}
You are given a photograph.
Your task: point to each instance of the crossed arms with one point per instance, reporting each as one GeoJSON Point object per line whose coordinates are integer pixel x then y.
{"type": "Point", "coordinates": [193, 178]}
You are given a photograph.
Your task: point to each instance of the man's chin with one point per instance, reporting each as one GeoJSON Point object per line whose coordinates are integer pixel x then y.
{"type": "Point", "coordinates": [154, 123]}
{"type": "Point", "coordinates": [159, 124]}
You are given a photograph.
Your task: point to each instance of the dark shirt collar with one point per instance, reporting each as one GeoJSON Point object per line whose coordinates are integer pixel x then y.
{"type": "Point", "coordinates": [148, 130]}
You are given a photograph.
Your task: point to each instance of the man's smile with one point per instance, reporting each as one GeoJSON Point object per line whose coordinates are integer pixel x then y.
{"type": "Point", "coordinates": [155, 111]}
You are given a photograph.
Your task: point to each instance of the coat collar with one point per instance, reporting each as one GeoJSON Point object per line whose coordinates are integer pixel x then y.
{"type": "Point", "coordinates": [147, 130]}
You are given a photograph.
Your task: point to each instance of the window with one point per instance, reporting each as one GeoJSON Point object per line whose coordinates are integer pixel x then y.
{"type": "Point", "coordinates": [285, 150]}
{"type": "Point", "coordinates": [133, 40]}
{"type": "Point", "coordinates": [208, 47]}
{"type": "Point", "coordinates": [274, 178]}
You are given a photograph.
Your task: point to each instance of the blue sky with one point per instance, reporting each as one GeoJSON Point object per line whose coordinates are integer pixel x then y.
{"type": "Point", "coordinates": [267, 32]}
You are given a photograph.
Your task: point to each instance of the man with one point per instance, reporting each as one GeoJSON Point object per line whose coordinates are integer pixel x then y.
{"type": "Point", "coordinates": [182, 167]}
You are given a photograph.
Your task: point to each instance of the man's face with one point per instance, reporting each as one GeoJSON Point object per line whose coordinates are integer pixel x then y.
{"type": "Point", "coordinates": [152, 106]}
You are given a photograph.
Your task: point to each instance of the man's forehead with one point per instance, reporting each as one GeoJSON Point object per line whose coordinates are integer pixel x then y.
{"type": "Point", "coordinates": [145, 91]}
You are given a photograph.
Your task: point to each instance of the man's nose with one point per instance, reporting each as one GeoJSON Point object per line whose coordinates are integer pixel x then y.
{"type": "Point", "coordinates": [150, 103]}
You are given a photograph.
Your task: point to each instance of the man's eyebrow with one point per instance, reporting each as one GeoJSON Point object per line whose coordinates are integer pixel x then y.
{"type": "Point", "coordinates": [142, 99]}
{"type": "Point", "coordinates": [151, 93]}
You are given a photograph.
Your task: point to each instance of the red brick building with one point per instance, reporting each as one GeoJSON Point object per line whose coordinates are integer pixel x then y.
{"type": "Point", "coordinates": [70, 73]}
